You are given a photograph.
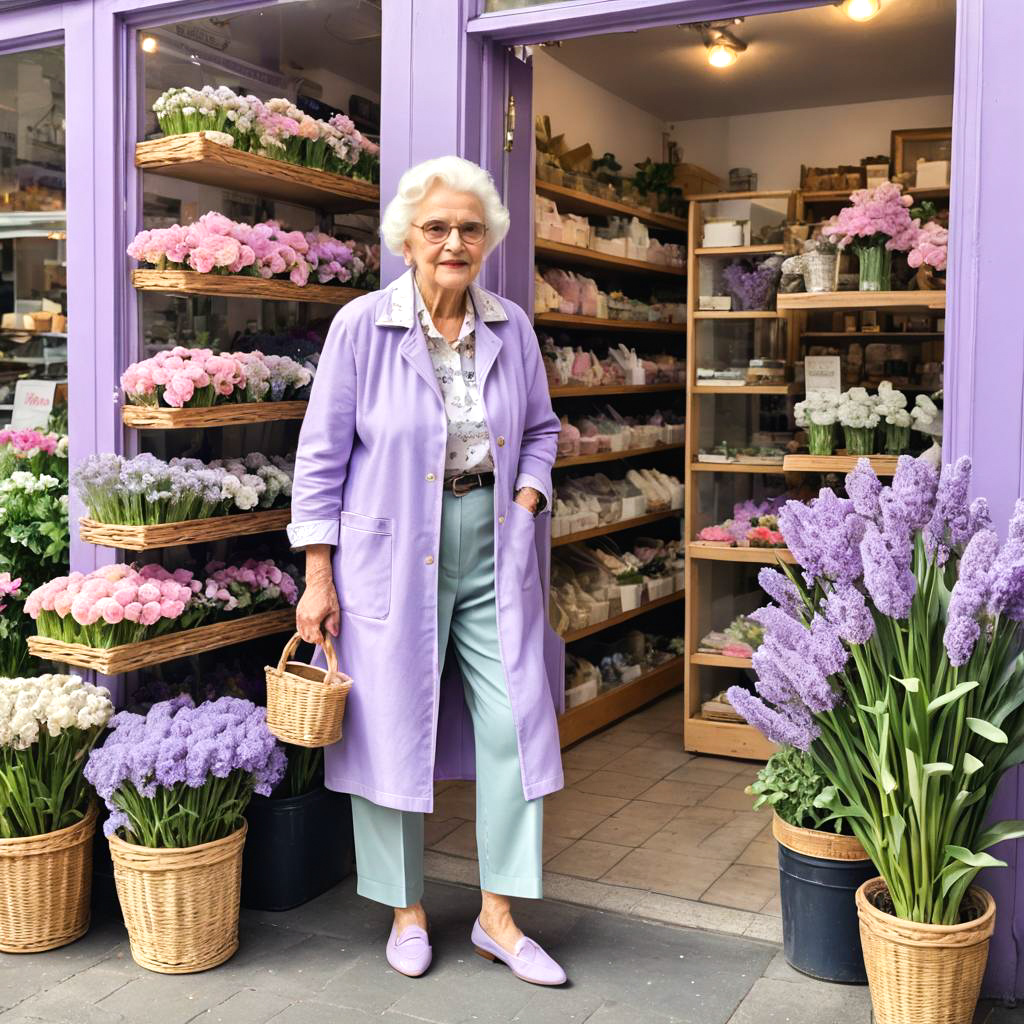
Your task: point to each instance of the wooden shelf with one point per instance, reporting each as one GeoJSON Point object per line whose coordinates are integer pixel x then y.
{"type": "Point", "coordinates": [576, 255]}
{"type": "Point", "coordinates": [757, 556]}
{"type": "Point", "coordinates": [726, 739]}
{"type": "Point", "coordinates": [714, 197]}
{"type": "Point", "coordinates": [861, 300]}
{"type": "Point", "coordinates": [735, 314]}
{"type": "Point", "coordinates": [599, 627]}
{"type": "Point", "coordinates": [737, 467]}
{"type": "Point", "coordinates": [240, 286]}
{"type": "Point", "coordinates": [857, 335]}
{"type": "Point", "coordinates": [150, 417]}
{"type": "Point", "coordinates": [193, 157]}
{"type": "Point", "coordinates": [569, 200]}
{"type": "Point", "coordinates": [720, 661]}
{"type": "Point", "coordinates": [746, 389]}
{"type": "Point", "coordinates": [627, 453]}
{"type": "Point", "coordinates": [842, 196]}
{"type": "Point", "coordinates": [596, 323]}
{"type": "Point", "coordinates": [738, 250]}
{"type": "Point", "coordinates": [622, 524]}
{"type": "Point", "coordinates": [883, 465]}
{"type": "Point", "coordinates": [584, 391]}
{"type": "Point", "coordinates": [582, 720]}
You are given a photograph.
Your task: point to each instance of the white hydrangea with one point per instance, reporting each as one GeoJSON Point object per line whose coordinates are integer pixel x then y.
{"type": "Point", "coordinates": [52, 702]}
{"type": "Point", "coordinates": [925, 414]}
{"type": "Point", "coordinates": [819, 408]}
{"type": "Point", "coordinates": [857, 409]}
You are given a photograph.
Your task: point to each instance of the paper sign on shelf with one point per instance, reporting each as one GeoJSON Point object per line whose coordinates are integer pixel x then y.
{"type": "Point", "coordinates": [33, 403]}
{"type": "Point", "coordinates": [822, 373]}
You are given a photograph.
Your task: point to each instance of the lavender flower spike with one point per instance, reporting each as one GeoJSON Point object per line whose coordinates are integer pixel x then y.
{"type": "Point", "coordinates": [970, 596]}
{"type": "Point", "coordinates": [862, 486]}
{"type": "Point", "coordinates": [782, 590]}
{"type": "Point", "coordinates": [890, 584]}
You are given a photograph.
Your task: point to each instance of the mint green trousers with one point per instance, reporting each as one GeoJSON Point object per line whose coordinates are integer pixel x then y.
{"type": "Point", "coordinates": [509, 828]}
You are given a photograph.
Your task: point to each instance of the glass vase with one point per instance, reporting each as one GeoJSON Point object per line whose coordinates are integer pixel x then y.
{"type": "Point", "coordinates": [897, 439]}
{"type": "Point", "coordinates": [820, 439]}
{"type": "Point", "coordinates": [875, 267]}
{"type": "Point", "coordinates": [860, 440]}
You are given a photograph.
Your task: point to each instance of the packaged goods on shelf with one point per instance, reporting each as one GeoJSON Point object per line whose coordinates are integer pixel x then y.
{"type": "Point", "coordinates": [739, 639]}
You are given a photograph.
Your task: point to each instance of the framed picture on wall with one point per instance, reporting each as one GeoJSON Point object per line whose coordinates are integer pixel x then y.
{"type": "Point", "coordinates": [910, 145]}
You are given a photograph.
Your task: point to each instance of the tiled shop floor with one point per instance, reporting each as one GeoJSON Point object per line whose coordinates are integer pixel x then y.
{"type": "Point", "coordinates": [638, 816]}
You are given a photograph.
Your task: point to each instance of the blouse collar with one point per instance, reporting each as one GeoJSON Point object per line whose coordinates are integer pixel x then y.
{"type": "Point", "coordinates": [398, 305]}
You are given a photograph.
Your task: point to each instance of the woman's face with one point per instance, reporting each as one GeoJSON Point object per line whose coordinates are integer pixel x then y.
{"type": "Point", "coordinates": [449, 265]}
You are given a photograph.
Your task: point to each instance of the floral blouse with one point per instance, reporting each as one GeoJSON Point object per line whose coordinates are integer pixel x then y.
{"type": "Point", "coordinates": [469, 446]}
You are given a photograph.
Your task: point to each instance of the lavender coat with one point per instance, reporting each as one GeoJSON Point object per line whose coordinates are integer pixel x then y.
{"type": "Point", "coordinates": [368, 474]}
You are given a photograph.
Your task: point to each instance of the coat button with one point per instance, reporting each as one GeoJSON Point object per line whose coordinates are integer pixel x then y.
{"type": "Point", "coordinates": [430, 476]}
{"type": "Point", "coordinates": [429, 560]}
{"type": "Point", "coordinates": [501, 519]}
{"type": "Point", "coordinates": [501, 441]}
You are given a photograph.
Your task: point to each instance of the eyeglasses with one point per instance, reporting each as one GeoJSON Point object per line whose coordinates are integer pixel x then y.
{"type": "Point", "coordinates": [470, 231]}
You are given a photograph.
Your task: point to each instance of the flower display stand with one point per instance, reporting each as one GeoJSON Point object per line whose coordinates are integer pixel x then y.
{"type": "Point", "coordinates": [189, 531]}
{"type": "Point", "coordinates": [194, 157]}
{"type": "Point", "coordinates": [883, 465]}
{"type": "Point", "coordinates": [128, 657]}
{"type": "Point", "coordinates": [228, 415]}
{"type": "Point", "coordinates": [240, 286]}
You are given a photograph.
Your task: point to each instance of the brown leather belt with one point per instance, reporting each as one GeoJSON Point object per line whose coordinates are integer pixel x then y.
{"type": "Point", "coordinates": [466, 482]}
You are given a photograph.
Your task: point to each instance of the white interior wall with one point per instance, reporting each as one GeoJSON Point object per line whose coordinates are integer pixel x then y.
{"type": "Point", "coordinates": [774, 145]}
{"type": "Point", "coordinates": [587, 113]}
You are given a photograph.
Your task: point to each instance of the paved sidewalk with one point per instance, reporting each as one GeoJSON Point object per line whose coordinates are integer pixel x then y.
{"type": "Point", "coordinates": [324, 962]}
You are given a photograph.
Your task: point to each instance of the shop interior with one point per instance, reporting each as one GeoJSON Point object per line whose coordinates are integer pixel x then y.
{"type": "Point", "coordinates": [678, 412]}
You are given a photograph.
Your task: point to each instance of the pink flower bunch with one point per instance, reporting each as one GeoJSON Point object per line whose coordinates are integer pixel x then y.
{"type": "Point", "coordinates": [252, 582]}
{"type": "Point", "coordinates": [329, 257]}
{"type": "Point", "coordinates": [876, 215]}
{"type": "Point", "coordinates": [931, 247]}
{"type": "Point", "coordinates": [28, 442]}
{"type": "Point", "coordinates": [765, 537]}
{"type": "Point", "coordinates": [8, 588]}
{"type": "Point", "coordinates": [716, 535]}
{"type": "Point", "coordinates": [183, 376]}
{"type": "Point", "coordinates": [346, 126]}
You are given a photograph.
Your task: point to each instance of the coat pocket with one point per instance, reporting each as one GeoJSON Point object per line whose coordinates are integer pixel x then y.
{"type": "Point", "coordinates": [527, 565]}
{"type": "Point", "coordinates": [366, 553]}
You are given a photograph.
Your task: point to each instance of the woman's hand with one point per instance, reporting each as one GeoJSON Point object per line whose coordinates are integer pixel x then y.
{"type": "Point", "coordinates": [319, 602]}
{"type": "Point", "coordinates": [528, 498]}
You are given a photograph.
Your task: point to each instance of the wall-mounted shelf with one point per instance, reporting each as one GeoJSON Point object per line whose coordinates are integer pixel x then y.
{"type": "Point", "coordinates": [626, 453]}
{"type": "Point", "coordinates": [584, 391]}
{"type": "Point", "coordinates": [577, 256]}
{"type": "Point", "coordinates": [745, 389]}
{"type": "Point", "coordinates": [569, 200]}
{"type": "Point", "coordinates": [596, 323]}
{"type": "Point", "coordinates": [193, 157]}
{"type": "Point", "coordinates": [883, 465]}
{"type": "Point", "coordinates": [735, 314]}
{"type": "Point", "coordinates": [598, 627]}
{"type": "Point", "coordinates": [737, 467]}
{"type": "Point", "coordinates": [607, 528]}
{"type": "Point", "coordinates": [720, 661]}
{"type": "Point", "coordinates": [708, 552]}
{"type": "Point", "coordinates": [910, 301]}
{"type": "Point", "coordinates": [150, 417]}
{"type": "Point", "coordinates": [738, 250]}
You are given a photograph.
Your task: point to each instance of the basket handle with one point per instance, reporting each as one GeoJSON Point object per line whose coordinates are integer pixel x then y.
{"type": "Point", "coordinates": [292, 646]}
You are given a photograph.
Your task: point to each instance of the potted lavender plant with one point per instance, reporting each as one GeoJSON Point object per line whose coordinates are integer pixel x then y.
{"type": "Point", "coordinates": [177, 782]}
{"type": "Point", "coordinates": [896, 659]}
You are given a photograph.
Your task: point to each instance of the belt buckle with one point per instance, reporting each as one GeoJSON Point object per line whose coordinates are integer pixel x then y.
{"type": "Point", "coordinates": [455, 484]}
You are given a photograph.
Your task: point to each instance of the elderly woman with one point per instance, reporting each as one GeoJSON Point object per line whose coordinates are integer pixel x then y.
{"type": "Point", "coordinates": [424, 462]}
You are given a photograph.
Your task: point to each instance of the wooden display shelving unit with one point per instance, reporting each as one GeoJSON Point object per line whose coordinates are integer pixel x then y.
{"type": "Point", "coordinates": [915, 300]}
{"type": "Point", "coordinates": [708, 735]}
{"type": "Point", "coordinates": [594, 714]}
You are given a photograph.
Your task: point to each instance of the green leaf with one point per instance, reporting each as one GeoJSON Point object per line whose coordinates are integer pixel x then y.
{"type": "Point", "coordinates": [938, 768]}
{"type": "Point", "coordinates": [912, 684]}
{"type": "Point", "coordinates": [952, 874]}
{"type": "Point", "coordinates": [877, 708]}
{"type": "Point", "coordinates": [972, 764]}
{"type": "Point", "coordinates": [975, 860]}
{"type": "Point", "coordinates": [1000, 833]}
{"type": "Point", "coordinates": [956, 693]}
{"type": "Point", "coordinates": [888, 782]}
{"type": "Point", "coordinates": [898, 826]}
{"type": "Point", "coordinates": [986, 730]}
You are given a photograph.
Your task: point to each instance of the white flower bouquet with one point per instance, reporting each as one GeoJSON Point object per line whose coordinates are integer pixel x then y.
{"type": "Point", "coordinates": [858, 416]}
{"type": "Point", "coordinates": [818, 414]}
{"type": "Point", "coordinates": [892, 408]}
{"type": "Point", "coordinates": [48, 725]}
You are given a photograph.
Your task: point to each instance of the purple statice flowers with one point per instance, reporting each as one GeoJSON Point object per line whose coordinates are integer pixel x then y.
{"type": "Point", "coordinates": [752, 285]}
{"type": "Point", "coordinates": [182, 775]}
{"type": "Point", "coordinates": [870, 557]}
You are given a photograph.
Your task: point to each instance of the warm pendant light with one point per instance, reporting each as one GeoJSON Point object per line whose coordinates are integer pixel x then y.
{"type": "Point", "coordinates": [862, 10]}
{"type": "Point", "coordinates": [721, 55]}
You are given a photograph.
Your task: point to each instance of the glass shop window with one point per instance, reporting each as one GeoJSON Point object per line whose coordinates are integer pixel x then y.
{"type": "Point", "coordinates": [33, 223]}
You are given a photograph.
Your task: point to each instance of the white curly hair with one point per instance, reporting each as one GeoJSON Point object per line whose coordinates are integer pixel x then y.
{"type": "Point", "coordinates": [457, 174]}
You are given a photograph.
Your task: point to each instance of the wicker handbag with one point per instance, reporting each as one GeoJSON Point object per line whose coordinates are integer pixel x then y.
{"type": "Point", "coordinates": [305, 705]}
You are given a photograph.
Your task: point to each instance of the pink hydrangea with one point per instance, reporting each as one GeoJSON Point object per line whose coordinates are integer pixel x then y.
{"type": "Point", "coordinates": [879, 211]}
{"type": "Point", "coordinates": [931, 247]}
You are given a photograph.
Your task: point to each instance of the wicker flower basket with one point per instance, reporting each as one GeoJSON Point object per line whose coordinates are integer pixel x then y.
{"type": "Point", "coordinates": [180, 906]}
{"type": "Point", "coordinates": [817, 843]}
{"type": "Point", "coordinates": [45, 884]}
{"type": "Point", "coordinates": [305, 705]}
{"type": "Point", "coordinates": [924, 973]}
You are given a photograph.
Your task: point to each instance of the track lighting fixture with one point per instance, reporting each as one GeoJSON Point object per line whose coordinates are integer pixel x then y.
{"type": "Point", "coordinates": [722, 46]}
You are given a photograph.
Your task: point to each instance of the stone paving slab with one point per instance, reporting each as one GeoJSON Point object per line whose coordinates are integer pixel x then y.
{"type": "Point", "coordinates": [324, 963]}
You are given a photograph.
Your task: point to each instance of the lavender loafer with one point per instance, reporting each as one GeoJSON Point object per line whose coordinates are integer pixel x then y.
{"type": "Point", "coordinates": [528, 962]}
{"type": "Point", "coordinates": [411, 952]}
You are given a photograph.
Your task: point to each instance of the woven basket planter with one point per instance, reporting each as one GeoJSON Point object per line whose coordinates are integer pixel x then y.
{"type": "Point", "coordinates": [814, 843]}
{"type": "Point", "coordinates": [305, 704]}
{"type": "Point", "coordinates": [45, 884]}
{"type": "Point", "coordinates": [127, 657]}
{"type": "Point", "coordinates": [180, 906]}
{"type": "Point", "coordinates": [227, 415]}
{"type": "Point", "coordinates": [188, 531]}
{"type": "Point", "coordinates": [241, 286]}
{"type": "Point", "coordinates": [924, 973]}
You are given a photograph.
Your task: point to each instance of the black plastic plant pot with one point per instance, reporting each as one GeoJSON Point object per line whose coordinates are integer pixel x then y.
{"type": "Point", "coordinates": [296, 849]}
{"type": "Point", "coordinates": [820, 930]}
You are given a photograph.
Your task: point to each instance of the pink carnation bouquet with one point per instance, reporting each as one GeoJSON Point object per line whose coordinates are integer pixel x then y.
{"type": "Point", "coordinates": [121, 604]}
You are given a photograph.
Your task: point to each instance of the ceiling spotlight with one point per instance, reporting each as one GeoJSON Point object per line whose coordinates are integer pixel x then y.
{"type": "Point", "coordinates": [721, 54]}
{"type": "Point", "coordinates": [861, 10]}
{"type": "Point", "coordinates": [149, 44]}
